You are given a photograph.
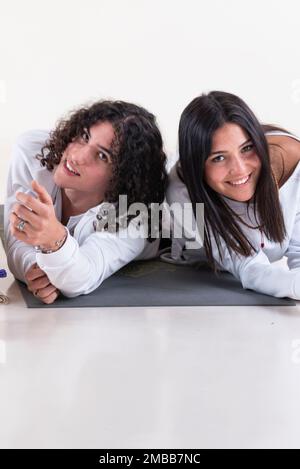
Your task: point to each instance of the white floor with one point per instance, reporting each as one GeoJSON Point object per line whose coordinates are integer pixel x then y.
{"type": "Point", "coordinates": [196, 377]}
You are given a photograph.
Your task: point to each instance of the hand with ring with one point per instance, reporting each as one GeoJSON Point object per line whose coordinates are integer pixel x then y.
{"type": "Point", "coordinates": [33, 219]}
{"type": "Point", "coordinates": [21, 225]}
{"type": "Point", "coordinates": [39, 284]}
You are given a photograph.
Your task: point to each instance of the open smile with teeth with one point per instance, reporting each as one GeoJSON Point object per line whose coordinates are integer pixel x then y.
{"type": "Point", "coordinates": [70, 169]}
{"type": "Point", "coordinates": [240, 182]}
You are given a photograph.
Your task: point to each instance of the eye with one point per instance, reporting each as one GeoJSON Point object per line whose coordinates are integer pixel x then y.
{"type": "Point", "coordinates": [103, 156]}
{"type": "Point", "coordinates": [217, 159]}
{"type": "Point", "coordinates": [248, 148]}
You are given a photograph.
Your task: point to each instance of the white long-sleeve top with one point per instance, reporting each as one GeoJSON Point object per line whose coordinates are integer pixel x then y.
{"type": "Point", "coordinates": [256, 272]}
{"type": "Point", "coordinates": [87, 257]}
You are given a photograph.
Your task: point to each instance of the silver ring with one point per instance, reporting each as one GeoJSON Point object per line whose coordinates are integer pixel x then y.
{"type": "Point", "coordinates": [36, 292]}
{"type": "Point", "coordinates": [21, 225]}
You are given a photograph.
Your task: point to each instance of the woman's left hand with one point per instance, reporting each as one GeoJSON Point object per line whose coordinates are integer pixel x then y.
{"type": "Point", "coordinates": [40, 227]}
{"type": "Point", "coordinates": [39, 284]}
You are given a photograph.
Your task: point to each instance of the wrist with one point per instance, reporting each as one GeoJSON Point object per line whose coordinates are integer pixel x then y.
{"type": "Point", "coordinates": [56, 245]}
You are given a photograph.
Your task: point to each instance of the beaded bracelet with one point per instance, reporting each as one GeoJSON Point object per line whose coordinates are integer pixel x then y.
{"type": "Point", "coordinates": [58, 244]}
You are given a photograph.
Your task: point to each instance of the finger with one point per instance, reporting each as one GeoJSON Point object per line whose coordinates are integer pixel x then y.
{"type": "Point", "coordinates": [41, 192]}
{"type": "Point", "coordinates": [20, 235]}
{"type": "Point", "coordinates": [44, 292]}
{"type": "Point", "coordinates": [32, 203]}
{"type": "Point", "coordinates": [38, 283]}
{"type": "Point", "coordinates": [31, 268]}
{"type": "Point", "coordinates": [28, 231]}
{"type": "Point", "coordinates": [51, 298]}
{"type": "Point", "coordinates": [34, 274]}
{"type": "Point", "coordinates": [25, 213]}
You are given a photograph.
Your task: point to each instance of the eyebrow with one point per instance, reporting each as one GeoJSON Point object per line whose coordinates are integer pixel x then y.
{"type": "Point", "coordinates": [101, 147]}
{"type": "Point", "coordinates": [105, 149]}
{"type": "Point", "coordinates": [225, 151]}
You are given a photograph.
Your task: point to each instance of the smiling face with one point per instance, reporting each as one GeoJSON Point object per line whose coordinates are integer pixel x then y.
{"type": "Point", "coordinates": [86, 164]}
{"type": "Point", "coordinates": [232, 169]}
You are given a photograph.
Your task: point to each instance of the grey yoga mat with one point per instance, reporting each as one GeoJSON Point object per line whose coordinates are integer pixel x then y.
{"type": "Point", "coordinates": [157, 283]}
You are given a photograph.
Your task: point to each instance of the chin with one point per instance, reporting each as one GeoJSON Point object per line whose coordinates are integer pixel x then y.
{"type": "Point", "coordinates": [239, 195]}
{"type": "Point", "coordinates": [58, 181]}
{"type": "Point", "coordinates": [242, 197]}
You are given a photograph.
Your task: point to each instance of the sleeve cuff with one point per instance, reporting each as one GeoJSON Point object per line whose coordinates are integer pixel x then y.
{"type": "Point", "coordinates": [59, 257]}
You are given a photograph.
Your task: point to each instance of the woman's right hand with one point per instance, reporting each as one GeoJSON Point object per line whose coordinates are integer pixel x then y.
{"type": "Point", "coordinates": [39, 284]}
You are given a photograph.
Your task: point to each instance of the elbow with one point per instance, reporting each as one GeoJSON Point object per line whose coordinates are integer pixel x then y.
{"type": "Point", "coordinates": [15, 270]}
{"type": "Point", "coordinates": [71, 286]}
{"type": "Point", "coordinates": [74, 292]}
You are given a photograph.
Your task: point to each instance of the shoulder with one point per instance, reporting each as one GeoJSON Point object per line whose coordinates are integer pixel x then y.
{"type": "Point", "coordinates": [25, 149]}
{"type": "Point", "coordinates": [284, 155]}
{"type": "Point", "coordinates": [32, 140]}
{"type": "Point", "coordinates": [24, 164]}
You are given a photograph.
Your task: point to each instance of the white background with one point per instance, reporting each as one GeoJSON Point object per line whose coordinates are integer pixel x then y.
{"type": "Point", "coordinates": [146, 377]}
{"type": "Point", "coordinates": [56, 55]}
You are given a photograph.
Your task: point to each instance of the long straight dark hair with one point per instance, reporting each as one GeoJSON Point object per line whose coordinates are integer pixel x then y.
{"type": "Point", "coordinates": [200, 119]}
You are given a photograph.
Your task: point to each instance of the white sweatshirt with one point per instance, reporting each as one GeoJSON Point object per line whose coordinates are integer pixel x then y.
{"type": "Point", "coordinates": [87, 257]}
{"type": "Point", "coordinates": [255, 272]}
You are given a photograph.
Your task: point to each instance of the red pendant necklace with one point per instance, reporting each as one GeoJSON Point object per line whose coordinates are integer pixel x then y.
{"type": "Point", "coordinates": [260, 227]}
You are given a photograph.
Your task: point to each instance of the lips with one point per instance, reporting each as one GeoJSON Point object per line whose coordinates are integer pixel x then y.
{"type": "Point", "coordinates": [240, 182]}
{"type": "Point", "coordinates": [69, 169]}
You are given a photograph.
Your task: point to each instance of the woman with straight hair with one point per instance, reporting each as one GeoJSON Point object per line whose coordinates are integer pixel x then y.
{"type": "Point", "coordinates": [64, 185]}
{"type": "Point", "coordinates": [247, 176]}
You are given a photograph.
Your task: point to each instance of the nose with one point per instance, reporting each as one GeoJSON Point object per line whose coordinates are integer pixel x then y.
{"type": "Point", "coordinates": [238, 166]}
{"type": "Point", "coordinates": [81, 156]}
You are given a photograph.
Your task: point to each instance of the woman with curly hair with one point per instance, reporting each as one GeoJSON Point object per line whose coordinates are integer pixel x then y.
{"type": "Point", "coordinates": [247, 176]}
{"type": "Point", "coordinates": [60, 187]}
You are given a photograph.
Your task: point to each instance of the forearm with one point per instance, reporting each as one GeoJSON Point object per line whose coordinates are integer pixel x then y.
{"type": "Point", "coordinates": [272, 280]}
{"type": "Point", "coordinates": [293, 256]}
{"type": "Point", "coordinates": [77, 270]}
{"type": "Point", "coordinates": [257, 273]}
{"type": "Point", "coordinates": [20, 257]}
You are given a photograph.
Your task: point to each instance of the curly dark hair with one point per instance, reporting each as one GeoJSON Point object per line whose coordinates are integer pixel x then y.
{"type": "Point", "coordinates": [138, 158]}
